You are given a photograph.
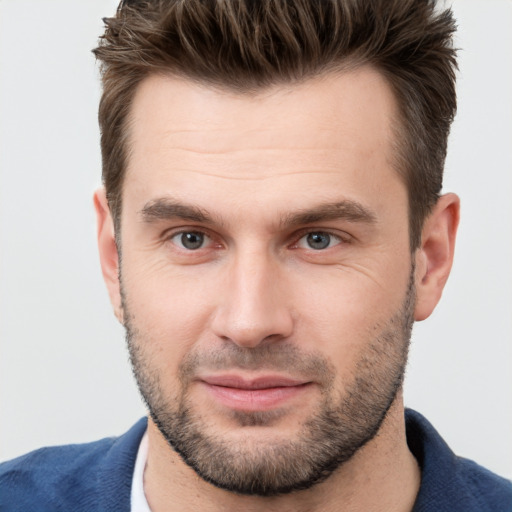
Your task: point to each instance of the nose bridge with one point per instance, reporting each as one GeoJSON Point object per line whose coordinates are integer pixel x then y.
{"type": "Point", "coordinates": [253, 307]}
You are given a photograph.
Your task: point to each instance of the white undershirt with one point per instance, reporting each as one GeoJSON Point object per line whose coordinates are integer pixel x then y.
{"type": "Point", "coordinates": [138, 498]}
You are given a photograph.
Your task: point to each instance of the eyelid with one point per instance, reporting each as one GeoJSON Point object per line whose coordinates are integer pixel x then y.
{"type": "Point", "coordinates": [343, 237]}
{"type": "Point", "coordinates": [176, 239]}
{"type": "Point", "coordinates": [170, 233]}
{"type": "Point", "coordinates": [214, 238]}
{"type": "Point", "coordinates": [176, 230]}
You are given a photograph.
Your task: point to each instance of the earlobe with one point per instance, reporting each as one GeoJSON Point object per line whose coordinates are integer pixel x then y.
{"type": "Point", "coordinates": [434, 257]}
{"type": "Point", "coordinates": [109, 257]}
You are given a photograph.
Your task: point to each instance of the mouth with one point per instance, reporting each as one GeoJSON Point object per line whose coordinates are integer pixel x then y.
{"type": "Point", "coordinates": [261, 393]}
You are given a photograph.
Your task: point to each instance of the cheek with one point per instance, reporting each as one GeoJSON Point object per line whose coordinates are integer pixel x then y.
{"type": "Point", "coordinates": [170, 308]}
{"type": "Point", "coordinates": [345, 312]}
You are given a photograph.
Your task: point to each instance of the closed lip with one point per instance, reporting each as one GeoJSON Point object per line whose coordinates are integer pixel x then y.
{"type": "Point", "coordinates": [252, 383]}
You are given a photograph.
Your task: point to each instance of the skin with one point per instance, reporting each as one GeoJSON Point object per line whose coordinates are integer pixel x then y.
{"type": "Point", "coordinates": [252, 162]}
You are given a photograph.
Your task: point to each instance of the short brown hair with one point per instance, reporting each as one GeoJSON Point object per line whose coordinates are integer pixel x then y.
{"type": "Point", "coordinates": [249, 45]}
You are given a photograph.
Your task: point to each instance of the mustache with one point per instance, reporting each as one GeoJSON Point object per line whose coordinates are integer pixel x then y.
{"type": "Point", "coordinates": [282, 358]}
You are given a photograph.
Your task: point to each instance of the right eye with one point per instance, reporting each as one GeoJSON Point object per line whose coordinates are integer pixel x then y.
{"type": "Point", "coordinates": [190, 240]}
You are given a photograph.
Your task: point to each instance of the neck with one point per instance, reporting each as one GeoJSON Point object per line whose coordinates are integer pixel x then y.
{"type": "Point", "coordinates": [381, 476]}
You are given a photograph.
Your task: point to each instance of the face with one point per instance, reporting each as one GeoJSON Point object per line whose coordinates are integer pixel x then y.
{"type": "Point", "coordinates": [266, 275]}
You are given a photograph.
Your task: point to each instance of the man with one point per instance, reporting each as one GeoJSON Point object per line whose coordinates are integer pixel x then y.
{"type": "Point", "coordinates": [270, 228]}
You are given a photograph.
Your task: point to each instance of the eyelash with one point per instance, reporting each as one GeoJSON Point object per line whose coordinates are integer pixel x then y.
{"type": "Point", "coordinates": [342, 238]}
{"type": "Point", "coordinates": [168, 236]}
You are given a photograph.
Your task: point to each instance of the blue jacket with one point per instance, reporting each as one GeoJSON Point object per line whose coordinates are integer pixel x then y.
{"type": "Point", "coordinates": [97, 476]}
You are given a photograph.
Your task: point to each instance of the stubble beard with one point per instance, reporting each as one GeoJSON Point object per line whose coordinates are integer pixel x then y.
{"type": "Point", "coordinates": [344, 421]}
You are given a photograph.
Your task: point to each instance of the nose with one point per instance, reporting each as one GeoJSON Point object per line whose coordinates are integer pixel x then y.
{"type": "Point", "coordinates": [253, 308]}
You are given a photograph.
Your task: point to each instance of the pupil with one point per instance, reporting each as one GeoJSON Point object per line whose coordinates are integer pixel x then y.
{"type": "Point", "coordinates": [319, 240]}
{"type": "Point", "coordinates": [192, 240]}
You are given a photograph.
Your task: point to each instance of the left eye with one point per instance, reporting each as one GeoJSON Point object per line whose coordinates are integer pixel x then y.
{"type": "Point", "coordinates": [318, 240]}
{"type": "Point", "coordinates": [190, 240]}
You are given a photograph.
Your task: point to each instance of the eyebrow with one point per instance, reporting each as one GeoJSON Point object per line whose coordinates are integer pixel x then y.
{"type": "Point", "coordinates": [349, 210]}
{"type": "Point", "coordinates": [166, 208]}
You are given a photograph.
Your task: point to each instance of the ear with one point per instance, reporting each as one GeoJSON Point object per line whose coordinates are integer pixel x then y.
{"type": "Point", "coordinates": [434, 258]}
{"type": "Point", "coordinates": [109, 257]}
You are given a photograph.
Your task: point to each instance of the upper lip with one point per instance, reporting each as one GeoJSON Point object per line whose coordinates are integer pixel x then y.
{"type": "Point", "coordinates": [260, 382]}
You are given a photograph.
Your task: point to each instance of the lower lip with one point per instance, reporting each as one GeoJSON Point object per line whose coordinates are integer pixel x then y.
{"type": "Point", "coordinates": [255, 399]}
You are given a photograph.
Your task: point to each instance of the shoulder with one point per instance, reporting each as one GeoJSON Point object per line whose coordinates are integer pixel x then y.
{"type": "Point", "coordinates": [53, 475]}
{"type": "Point", "coordinates": [485, 487]}
{"type": "Point", "coordinates": [71, 477]}
{"type": "Point", "coordinates": [452, 483]}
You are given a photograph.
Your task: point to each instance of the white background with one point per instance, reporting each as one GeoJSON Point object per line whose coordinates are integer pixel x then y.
{"type": "Point", "coordinates": [64, 375]}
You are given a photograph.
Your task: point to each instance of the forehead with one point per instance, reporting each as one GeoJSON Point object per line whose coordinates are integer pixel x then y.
{"type": "Point", "coordinates": [357, 103]}
{"type": "Point", "coordinates": [328, 131]}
